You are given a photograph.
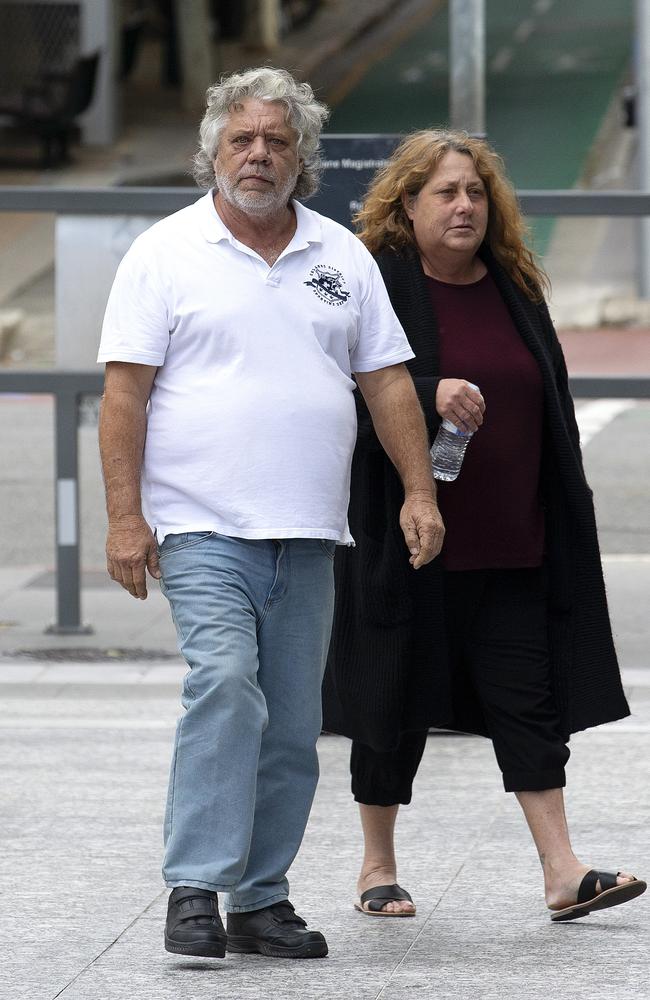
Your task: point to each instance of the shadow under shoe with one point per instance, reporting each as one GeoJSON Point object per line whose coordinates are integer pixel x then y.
{"type": "Point", "coordinates": [276, 931]}
{"type": "Point", "coordinates": [193, 924]}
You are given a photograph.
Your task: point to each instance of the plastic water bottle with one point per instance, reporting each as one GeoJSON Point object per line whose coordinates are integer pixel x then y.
{"type": "Point", "coordinates": [448, 449]}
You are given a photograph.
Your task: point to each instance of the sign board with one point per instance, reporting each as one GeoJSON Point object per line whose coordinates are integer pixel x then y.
{"type": "Point", "coordinates": [351, 161]}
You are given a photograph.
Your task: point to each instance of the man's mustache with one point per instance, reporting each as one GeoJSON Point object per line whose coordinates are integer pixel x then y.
{"type": "Point", "coordinates": [266, 175]}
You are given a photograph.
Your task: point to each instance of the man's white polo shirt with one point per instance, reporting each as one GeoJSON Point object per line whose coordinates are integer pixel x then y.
{"type": "Point", "coordinates": [251, 422]}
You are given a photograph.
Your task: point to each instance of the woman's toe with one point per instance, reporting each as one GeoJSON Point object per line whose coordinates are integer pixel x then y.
{"type": "Point", "coordinates": [399, 906]}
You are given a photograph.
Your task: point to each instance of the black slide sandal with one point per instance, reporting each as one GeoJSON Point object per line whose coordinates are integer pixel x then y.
{"type": "Point", "coordinates": [610, 894]}
{"type": "Point", "coordinates": [371, 901]}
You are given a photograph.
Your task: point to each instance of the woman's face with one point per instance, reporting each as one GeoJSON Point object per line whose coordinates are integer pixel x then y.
{"type": "Point", "coordinates": [450, 213]}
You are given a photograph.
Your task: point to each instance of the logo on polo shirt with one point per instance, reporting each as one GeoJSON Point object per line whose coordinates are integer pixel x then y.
{"type": "Point", "coordinates": [328, 285]}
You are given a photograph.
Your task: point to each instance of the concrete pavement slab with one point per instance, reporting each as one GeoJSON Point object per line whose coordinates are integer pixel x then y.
{"type": "Point", "coordinates": [628, 590]}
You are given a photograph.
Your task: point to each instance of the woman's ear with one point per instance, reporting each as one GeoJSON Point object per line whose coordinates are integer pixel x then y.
{"type": "Point", "coordinates": [408, 201]}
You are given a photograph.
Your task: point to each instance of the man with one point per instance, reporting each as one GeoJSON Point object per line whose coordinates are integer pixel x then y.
{"type": "Point", "coordinates": [230, 337]}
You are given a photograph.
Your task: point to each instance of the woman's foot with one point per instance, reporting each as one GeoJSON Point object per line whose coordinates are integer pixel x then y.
{"type": "Point", "coordinates": [384, 876]}
{"type": "Point", "coordinates": [562, 884]}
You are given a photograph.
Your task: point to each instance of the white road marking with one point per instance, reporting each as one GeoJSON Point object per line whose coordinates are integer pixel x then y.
{"type": "Point", "coordinates": [521, 34]}
{"type": "Point", "coordinates": [437, 59]}
{"type": "Point", "coordinates": [502, 59]}
{"type": "Point", "coordinates": [636, 677]}
{"type": "Point", "coordinates": [619, 557]}
{"type": "Point", "coordinates": [593, 416]}
{"type": "Point", "coordinates": [412, 75]}
{"type": "Point", "coordinates": [524, 30]}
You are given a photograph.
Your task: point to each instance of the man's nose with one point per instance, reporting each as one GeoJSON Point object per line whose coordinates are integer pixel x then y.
{"type": "Point", "coordinates": [259, 149]}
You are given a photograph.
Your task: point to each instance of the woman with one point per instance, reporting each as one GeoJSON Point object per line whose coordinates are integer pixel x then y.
{"type": "Point", "coordinates": [506, 634]}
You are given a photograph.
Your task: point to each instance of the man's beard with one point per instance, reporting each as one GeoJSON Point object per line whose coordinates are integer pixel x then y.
{"type": "Point", "coordinates": [256, 202]}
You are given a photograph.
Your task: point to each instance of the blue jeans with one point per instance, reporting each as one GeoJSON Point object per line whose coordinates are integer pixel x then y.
{"type": "Point", "coordinates": [253, 620]}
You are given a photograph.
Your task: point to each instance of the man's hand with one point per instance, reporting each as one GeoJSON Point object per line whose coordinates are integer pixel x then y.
{"type": "Point", "coordinates": [130, 548]}
{"type": "Point", "coordinates": [398, 420]}
{"type": "Point", "coordinates": [423, 529]}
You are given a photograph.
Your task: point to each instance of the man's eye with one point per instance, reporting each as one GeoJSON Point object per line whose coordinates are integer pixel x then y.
{"type": "Point", "coordinates": [278, 142]}
{"type": "Point", "coordinates": [241, 140]}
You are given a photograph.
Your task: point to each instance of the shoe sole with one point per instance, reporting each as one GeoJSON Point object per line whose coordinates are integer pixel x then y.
{"type": "Point", "coordinates": [384, 913]}
{"type": "Point", "coordinates": [610, 897]}
{"type": "Point", "coordinates": [243, 945]}
{"type": "Point", "coordinates": [216, 950]}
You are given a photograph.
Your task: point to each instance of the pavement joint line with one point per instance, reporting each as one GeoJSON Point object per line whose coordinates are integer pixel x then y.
{"type": "Point", "coordinates": [109, 946]}
{"type": "Point", "coordinates": [130, 674]}
{"type": "Point", "coordinates": [74, 723]}
{"type": "Point", "coordinates": [95, 724]}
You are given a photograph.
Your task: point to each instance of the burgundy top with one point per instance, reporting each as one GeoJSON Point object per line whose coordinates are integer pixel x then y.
{"type": "Point", "coordinates": [492, 512]}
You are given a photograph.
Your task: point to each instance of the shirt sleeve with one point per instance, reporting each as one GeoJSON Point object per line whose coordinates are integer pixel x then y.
{"type": "Point", "coordinates": [382, 341]}
{"type": "Point", "coordinates": [136, 322]}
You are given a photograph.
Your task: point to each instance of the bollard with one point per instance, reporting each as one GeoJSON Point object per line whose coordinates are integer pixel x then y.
{"type": "Point", "coordinates": [68, 574]}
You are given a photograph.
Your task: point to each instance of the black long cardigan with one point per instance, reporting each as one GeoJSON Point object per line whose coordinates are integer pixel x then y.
{"type": "Point", "coordinates": [387, 669]}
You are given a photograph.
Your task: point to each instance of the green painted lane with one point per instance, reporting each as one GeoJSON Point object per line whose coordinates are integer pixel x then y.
{"type": "Point", "coordinates": [552, 69]}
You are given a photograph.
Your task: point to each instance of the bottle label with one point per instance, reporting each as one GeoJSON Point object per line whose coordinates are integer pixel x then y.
{"type": "Point", "coordinates": [448, 426]}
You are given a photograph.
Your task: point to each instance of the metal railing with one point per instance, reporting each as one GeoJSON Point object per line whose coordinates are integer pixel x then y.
{"type": "Point", "coordinates": [165, 200]}
{"type": "Point", "coordinates": [68, 387]}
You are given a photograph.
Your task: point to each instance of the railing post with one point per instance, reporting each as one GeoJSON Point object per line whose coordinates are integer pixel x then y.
{"type": "Point", "coordinates": [68, 575]}
{"type": "Point", "coordinates": [643, 120]}
{"type": "Point", "coordinates": [467, 66]}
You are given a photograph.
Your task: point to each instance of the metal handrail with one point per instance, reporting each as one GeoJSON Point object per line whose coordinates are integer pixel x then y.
{"type": "Point", "coordinates": [165, 200]}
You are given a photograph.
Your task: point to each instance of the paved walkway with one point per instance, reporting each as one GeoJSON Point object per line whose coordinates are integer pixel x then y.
{"type": "Point", "coordinates": [84, 764]}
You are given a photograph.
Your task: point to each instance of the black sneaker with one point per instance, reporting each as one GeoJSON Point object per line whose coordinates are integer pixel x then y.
{"type": "Point", "coordinates": [193, 925]}
{"type": "Point", "coordinates": [276, 931]}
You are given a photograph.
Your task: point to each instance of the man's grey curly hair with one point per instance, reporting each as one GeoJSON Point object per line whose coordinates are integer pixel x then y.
{"type": "Point", "coordinates": [304, 114]}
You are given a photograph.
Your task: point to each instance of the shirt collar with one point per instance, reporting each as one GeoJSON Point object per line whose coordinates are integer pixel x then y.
{"type": "Point", "coordinates": [214, 229]}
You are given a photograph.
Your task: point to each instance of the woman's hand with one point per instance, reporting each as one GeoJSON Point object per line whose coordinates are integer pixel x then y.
{"type": "Point", "coordinates": [457, 401]}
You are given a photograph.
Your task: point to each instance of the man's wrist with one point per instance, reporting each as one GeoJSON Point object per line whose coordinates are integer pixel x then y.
{"type": "Point", "coordinates": [421, 493]}
{"type": "Point", "coordinates": [133, 520]}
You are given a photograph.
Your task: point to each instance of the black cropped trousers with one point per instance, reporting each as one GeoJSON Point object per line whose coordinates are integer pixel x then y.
{"type": "Point", "coordinates": [496, 629]}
